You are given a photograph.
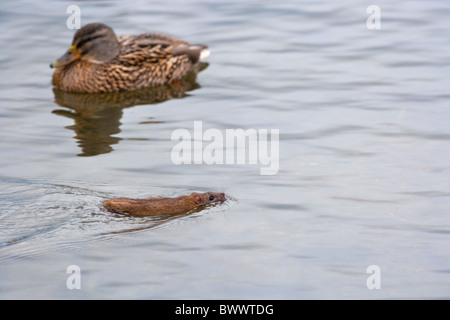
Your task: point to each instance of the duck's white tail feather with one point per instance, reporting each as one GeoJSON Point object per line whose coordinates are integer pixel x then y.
{"type": "Point", "coordinates": [204, 53]}
{"type": "Point", "coordinates": [194, 52]}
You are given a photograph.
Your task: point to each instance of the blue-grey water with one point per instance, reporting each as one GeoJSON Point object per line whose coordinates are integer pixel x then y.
{"type": "Point", "coordinates": [364, 155]}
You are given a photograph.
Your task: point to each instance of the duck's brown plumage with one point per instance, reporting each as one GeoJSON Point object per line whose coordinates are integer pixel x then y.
{"type": "Point", "coordinates": [141, 61]}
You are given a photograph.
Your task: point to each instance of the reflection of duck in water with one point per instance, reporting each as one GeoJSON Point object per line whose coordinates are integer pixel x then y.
{"type": "Point", "coordinates": [97, 116]}
{"type": "Point", "coordinates": [99, 61]}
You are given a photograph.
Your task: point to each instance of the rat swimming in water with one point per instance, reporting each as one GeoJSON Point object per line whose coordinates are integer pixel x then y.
{"type": "Point", "coordinates": [162, 206]}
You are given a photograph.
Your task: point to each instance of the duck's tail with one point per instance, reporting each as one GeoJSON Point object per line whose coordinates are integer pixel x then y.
{"type": "Point", "coordinates": [195, 52]}
{"type": "Point", "coordinates": [204, 53]}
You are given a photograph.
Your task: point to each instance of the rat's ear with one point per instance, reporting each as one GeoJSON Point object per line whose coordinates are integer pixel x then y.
{"type": "Point", "coordinates": [197, 198]}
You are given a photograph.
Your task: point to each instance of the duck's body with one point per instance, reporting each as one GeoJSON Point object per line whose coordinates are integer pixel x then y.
{"type": "Point", "coordinates": [98, 61]}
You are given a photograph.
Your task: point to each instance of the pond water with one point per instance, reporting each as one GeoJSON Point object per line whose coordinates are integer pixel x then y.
{"type": "Point", "coordinates": [364, 155]}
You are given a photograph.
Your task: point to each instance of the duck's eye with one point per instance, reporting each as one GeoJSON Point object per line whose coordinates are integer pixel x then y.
{"type": "Point", "coordinates": [211, 198]}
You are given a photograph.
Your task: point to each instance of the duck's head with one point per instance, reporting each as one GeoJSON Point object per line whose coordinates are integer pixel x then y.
{"type": "Point", "coordinates": [95, 42]}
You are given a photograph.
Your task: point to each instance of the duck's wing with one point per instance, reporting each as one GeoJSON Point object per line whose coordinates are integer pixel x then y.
{"type": "Point", "coordinates": [150, 48]}
{"type": "Point", "coordinates": [148, 38]}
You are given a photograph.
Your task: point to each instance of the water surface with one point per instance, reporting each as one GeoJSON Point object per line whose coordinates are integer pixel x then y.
{"type": "Point", "coordinates": [364, 155]}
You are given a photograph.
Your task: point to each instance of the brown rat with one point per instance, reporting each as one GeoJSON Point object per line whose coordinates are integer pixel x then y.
{"type": "Point", "coordinates": [162, 206]}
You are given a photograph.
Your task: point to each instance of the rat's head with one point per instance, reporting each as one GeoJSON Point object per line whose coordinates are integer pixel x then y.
{"type": "Point", "coordinates": [208, 197]}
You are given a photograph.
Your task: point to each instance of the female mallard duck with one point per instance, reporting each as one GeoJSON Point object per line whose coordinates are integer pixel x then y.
{"type": "Point", "coordinates": [99, 61]}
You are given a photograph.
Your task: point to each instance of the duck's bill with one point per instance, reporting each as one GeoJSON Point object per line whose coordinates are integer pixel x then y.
{"type": "Point", "coordinates": [68, 57]}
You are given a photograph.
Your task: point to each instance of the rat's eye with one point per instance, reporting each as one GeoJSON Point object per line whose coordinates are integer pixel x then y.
{"type": "Point", "coordinates": [211, 198]}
